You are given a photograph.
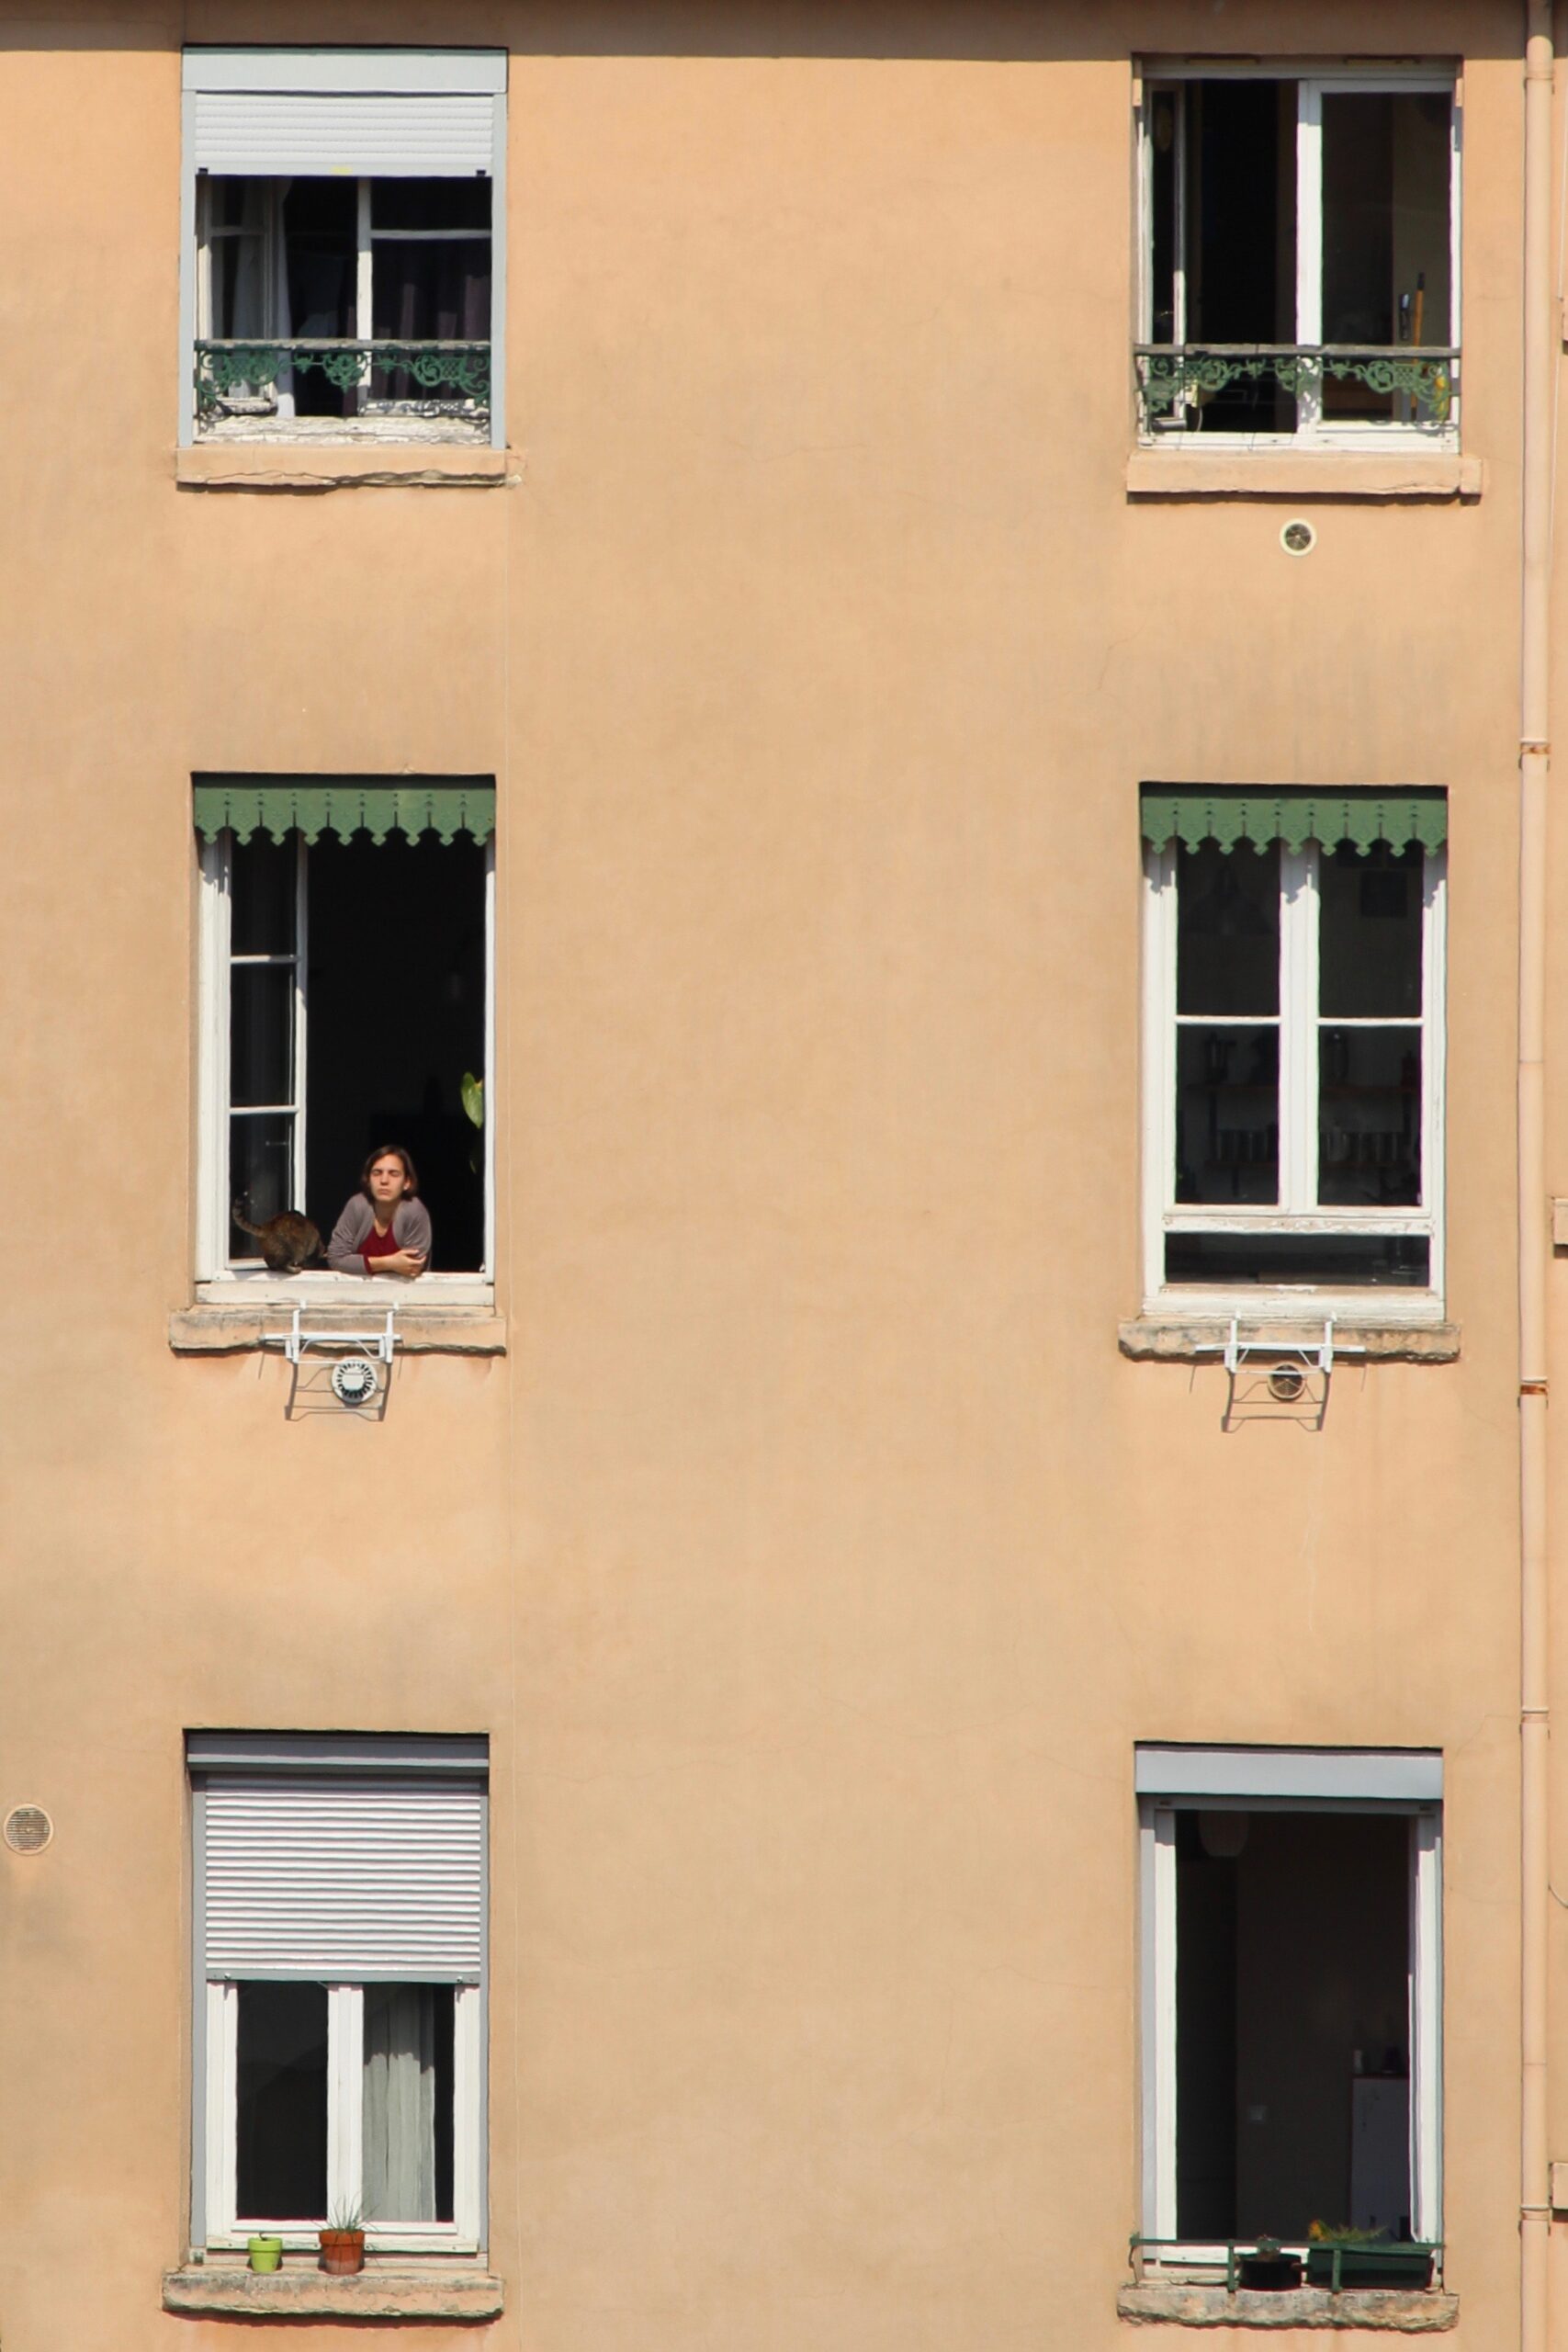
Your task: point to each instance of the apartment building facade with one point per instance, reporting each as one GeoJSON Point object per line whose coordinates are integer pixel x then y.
{"type": "Point", "coordinates": [859, 669]}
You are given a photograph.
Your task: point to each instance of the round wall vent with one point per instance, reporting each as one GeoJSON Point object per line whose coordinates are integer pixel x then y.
{"type": "Point", "coordinates": [1298, 539]}
{"type": "Point", "coordinates": [353, 1381]}
{"type": "Point", "coordinates": [28, 1829]}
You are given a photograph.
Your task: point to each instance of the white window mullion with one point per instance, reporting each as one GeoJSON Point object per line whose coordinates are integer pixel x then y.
{"type": "Point", "coordinates": [212, 1057]}
{"type": "Point", "coordinates": [467, 2103]}
{"type": "Point", "coordinates": [1425, 2027]}
{"type": "Point", "coordinates": [1298, 1029]}
{"type": "Point", "coordinates": [301, 996]}
{"type": "Point", "coordinates": [1158, 2001]}
{"type": "Point", "coordinates": [1434, 1042]}
{"type": "Point", "coordinates": [489, 1088]}
{"type": "Point", "coordinates": [345, 2098]}
{"type": "Point", "coordinates": [1309, 246]}
{"type": "Point", "coordinates": [1160, 1106]}
{"type": "Point", "coordinates": [222, 2108]}
{"type": "Point", "coordinates": [365, 288]}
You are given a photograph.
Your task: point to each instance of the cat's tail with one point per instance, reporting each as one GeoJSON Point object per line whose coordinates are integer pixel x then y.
{"type": "Point", "coordinates": [241, 1220]}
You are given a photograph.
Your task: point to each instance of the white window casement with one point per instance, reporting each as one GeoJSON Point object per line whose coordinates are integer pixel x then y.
{"type": "Point", "coordinates": [343, 272]}
{"type": "Point", "coordinates": [1293, 1052]}
{"type": "Point", "coordinates": [1299, 1889]}
{"type": "Point", "coordinates": [1300, 256]}
{"type": "Point", "coordinates": [340, 1966]}
{"type": "Point", "coordinates": [346, 997]}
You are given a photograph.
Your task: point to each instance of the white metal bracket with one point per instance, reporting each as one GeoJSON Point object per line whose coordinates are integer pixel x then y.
{"type": "Point", "coordinates": [1277, 1369]}
{"type": "Point", "coordinates": [378, 1345]}
{"type": "Point", "coordinates": [1309, 1355]}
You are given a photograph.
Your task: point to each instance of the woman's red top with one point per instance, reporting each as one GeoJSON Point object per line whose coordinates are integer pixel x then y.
{"type": "Point", "coordinates": [379, 1245]}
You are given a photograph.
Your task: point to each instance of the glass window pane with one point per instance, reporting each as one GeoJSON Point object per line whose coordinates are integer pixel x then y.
{"type": "Point", "coordinates": [1165, 150]}
{"type": "Point", "coordinates": [1228, 1114]}
{"type": "Point", "coordinates": [1369, 934]}
{"type": "Point", "coordinates": [260, 1034]}
{"type": "Point", "coordinates": [1241, 240]}
{"type": "Point", "coordinates": [282, 2081]}
{"type": "Point", "coordinates": [321, 223]}
{"type": "Point", "coordinates": [1369, 1134]}
{"type": "Point", "coordinates": [408, 2102]}
{"type": "Point", "coordinates": [1385, 234]}
{"type": "Point", "coordinates": [262, 896]}
{"type": "Point", "coordinates": [430, 204]}
{"type": "Point", "coordinates": [1399, 1261]}
{"type": "Point", "coordinates": [1228, 930]}
{"type": "Point", "coordinates": [260, 1173]}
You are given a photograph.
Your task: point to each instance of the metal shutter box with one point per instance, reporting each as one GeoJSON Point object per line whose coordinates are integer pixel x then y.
{"type": "Point", "coordinates": [343, 1880]}
{"type": "Point", "coordinates": [386, 135]}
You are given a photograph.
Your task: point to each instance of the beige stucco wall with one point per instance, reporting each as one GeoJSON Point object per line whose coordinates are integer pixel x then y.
{"type": "Point", "coordinates": [813, 1559]}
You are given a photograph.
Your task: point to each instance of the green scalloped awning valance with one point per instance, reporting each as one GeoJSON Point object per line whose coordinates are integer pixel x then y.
{"type": "Point", "coordinates": [1294, 815]}
{"type": "Point", "coordinates": [345, 805]}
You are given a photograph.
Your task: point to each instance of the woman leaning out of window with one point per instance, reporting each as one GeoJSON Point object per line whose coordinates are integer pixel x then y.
{"type": "Point", "coordinates": [384, 1229]}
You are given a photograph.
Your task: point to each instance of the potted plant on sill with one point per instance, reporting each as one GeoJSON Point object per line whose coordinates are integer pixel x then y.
{"type": "Point", "coordinates": [264, 2252]}
{"type": "Point", "coordinates": [1339, 2255]}
{"type": "Point", "coordinates": [1269, 2269]}
{"type": "Point", "coordinates": [343, 2243]}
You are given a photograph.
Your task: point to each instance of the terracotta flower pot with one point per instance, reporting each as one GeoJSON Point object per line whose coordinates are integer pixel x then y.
{"type": "Point", "coordinates": [343, 2252]}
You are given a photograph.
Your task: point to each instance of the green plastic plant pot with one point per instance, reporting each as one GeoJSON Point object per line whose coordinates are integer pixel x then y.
{"type": "Point", "coordinates": [266, 2254]}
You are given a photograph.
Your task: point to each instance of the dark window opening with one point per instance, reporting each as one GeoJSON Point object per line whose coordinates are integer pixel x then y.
{"type": "Point", "coordinates": [282, 2102]}
{"type": "Point", "coordinates": [365, 1039]}
{"type": "Point", "coordinates": [1277, 1260]}
{"type": "Point", "coordinates": [1240, 256]}
{"type": "Point", "coordinates": [1292, 2079]}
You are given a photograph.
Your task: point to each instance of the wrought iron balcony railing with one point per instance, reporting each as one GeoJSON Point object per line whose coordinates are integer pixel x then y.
{"type": "Point", "coordinates": [438, 375]}
{"type": "Point", "coordinates": [1177, 378]}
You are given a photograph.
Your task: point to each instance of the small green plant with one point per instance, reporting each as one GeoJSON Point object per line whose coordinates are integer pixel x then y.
{"type": "Point", "coordinates": [349, 2215]}
{"type": "Point", "coordinates": [473, 1093]}
{"type": "Point", "coordinates": [1345, 2234]}
{"type": "Point", "coordinates": [1270, 2248]}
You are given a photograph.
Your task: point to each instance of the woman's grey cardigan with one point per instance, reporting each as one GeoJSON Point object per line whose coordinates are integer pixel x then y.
{"type": "Point", "coordinates": [411, 1230]}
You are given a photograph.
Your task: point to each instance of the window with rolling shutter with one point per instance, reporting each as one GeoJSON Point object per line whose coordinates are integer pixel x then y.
{"type": "Point", "coordinates": [342, 213]}
{"type": "Point", "coordinates": [340, 1921]}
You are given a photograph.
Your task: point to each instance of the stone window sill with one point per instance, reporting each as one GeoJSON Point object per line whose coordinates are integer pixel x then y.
{"type": "Point", "coordinates": [1423, 2311]}
{"type": "Point", "coordinates": [327, 465]}
{"type": "Point", "coordinates": [1175, 1338]}
{"type": "Point", "coordinates": [1441, 475]}
{"type": "Point", "coordinates": [224, 1331]}
{"type": "Point", "coordinates": [379, 2291]}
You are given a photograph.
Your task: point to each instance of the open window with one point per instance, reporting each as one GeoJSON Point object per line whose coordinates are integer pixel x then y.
{"type": "Point", "coordinates": [346, 1003]}
{"type": "Point", "coordinates": [343, 229]}
{"type": "Point", "coordinates": [340, 1956]}
{"type": "Point", "coordinates": [1290, 1999]}
{"type": "Point", "coordinates": [1293, 1059]}
{"type": "Point", "coordinates": [1300, 256]}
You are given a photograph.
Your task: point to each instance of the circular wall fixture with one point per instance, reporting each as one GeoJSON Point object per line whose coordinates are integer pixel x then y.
{"type": "Point", "coordinates": [1298, 537]}
{"type": "Point", "coordinates": [353, 1381]}
{"type": "Point", "coordinates": [1286, 1385]}
{"type": "Point", "coordinates": [28, 1829]}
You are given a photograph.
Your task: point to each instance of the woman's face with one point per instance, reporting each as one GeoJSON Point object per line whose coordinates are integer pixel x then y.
{"type": "Point", "coordinates": [388, 1182]}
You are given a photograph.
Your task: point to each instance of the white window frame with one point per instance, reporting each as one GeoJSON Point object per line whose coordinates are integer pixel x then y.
{"type": "Point", "coordinates": [217, 1280]}
{"type": "Point", "coordinates": [433, 73]}
{"type": "Point", "coordinates": [1296, 1211]}
{"type": "Point", "coordinates": [1263, 1782]}
{"type": "Point", "coordinates": [1312, 80]}
{"type": "Point", "coordinates": [227, 2228]}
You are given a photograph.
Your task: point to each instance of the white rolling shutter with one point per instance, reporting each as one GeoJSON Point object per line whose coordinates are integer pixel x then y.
{"type": "Point", "coordinates": [344, 1879]}
{"type": "Point", "coordinates": [287, 132]}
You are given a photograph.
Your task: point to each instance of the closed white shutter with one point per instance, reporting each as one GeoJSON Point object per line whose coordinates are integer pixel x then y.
{"type": "Point", "coordinates": [343, 1880]}
{"type": "Point", "coordinates": [323, 134]}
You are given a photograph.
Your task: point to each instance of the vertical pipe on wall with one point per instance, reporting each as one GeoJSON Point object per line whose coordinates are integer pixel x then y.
{"type": "Point", "coordinates": [1534, 757]}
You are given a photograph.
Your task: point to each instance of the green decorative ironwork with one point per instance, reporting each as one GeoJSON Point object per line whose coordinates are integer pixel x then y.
{"type": "Point", "coordinates": [1293, 815]}
{"type": "Point", "coordinates": [1174, 377]}
{"type": "Point", "coordinates": [344, 805]}
{"type": "Point", "coordinates": [447, 370]}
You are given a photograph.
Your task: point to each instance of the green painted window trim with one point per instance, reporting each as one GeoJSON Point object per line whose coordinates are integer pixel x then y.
{"type": "Point", "coordinates": [348, 805]}
{"type": "Point", "coordinates": [1294, 815]}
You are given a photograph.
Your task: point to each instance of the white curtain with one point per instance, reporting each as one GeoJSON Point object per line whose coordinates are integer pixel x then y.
{"type": "Point", "coordinates": [400, 2102]}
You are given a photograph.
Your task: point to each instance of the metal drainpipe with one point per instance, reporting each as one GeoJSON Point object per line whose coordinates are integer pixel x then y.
{"type": "Point", "coordinates": [1534, 758]}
